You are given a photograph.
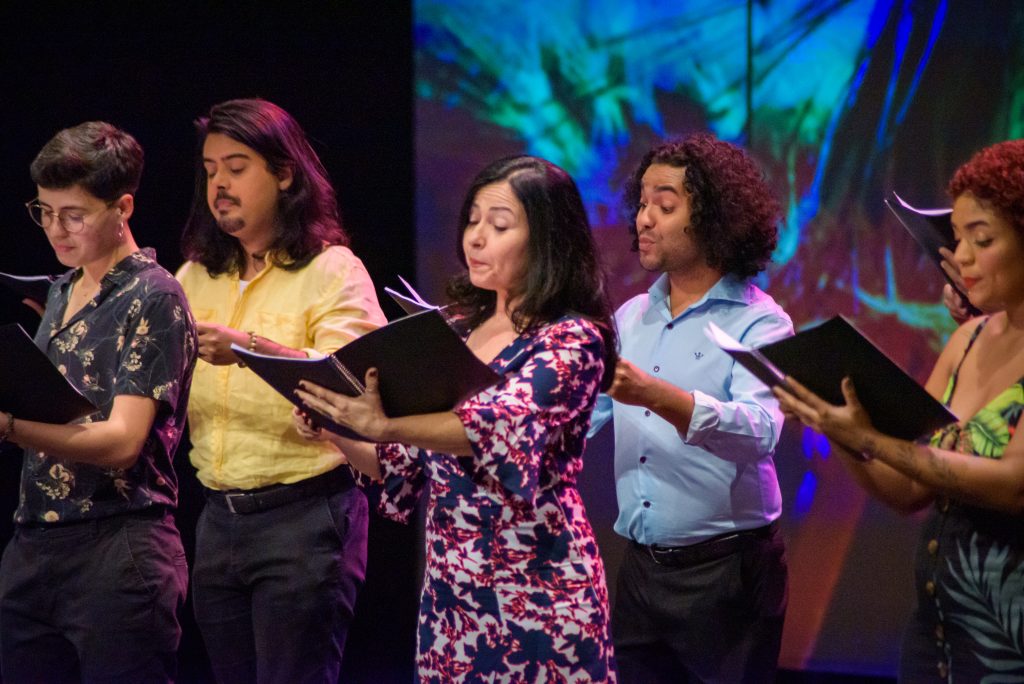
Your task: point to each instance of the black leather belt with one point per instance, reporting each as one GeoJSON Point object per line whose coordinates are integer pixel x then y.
{"type": "Point", "coordinates": [245, 501]}
{"type": "Point", "coordinates": [707, 550]}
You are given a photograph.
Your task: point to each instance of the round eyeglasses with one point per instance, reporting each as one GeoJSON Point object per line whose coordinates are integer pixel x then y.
{"type": "Point", "coordinates": [71, 220]}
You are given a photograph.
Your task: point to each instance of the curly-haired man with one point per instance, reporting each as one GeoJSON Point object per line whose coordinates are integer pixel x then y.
{"type": "Point", "coordinates": [701, 594]}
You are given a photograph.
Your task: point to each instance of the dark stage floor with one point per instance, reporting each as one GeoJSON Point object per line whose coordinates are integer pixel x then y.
{"type": "Point", "coordinates": [794, 677]}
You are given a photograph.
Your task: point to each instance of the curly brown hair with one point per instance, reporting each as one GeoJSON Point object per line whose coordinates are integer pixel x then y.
{"type": "Point", "coordinates": [734, 216]}
{"type": "Point", "coordinates": [995, 176]}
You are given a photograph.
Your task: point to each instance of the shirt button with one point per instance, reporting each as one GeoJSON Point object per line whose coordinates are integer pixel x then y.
{"type": "Point", "coordinates": [940, 633]}
{"type": "Point", "coordinates": [643, 459]}
{"type": "Point", "coordinates": [933, 547]}
{"type": "Point", "coordinates": [657, 368]}
{"type": "Point", "coordinates": [929, 587]}
{"type": "Point", "coordinates": [647, 412]}
{"type": "Point", "coordinates": [670, 326]}
{"type": "Point", "coordinates": [647, 504]}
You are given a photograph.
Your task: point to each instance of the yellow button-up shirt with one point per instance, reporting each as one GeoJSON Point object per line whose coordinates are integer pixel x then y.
{"type": "Point", "coordinates": [241, 429]}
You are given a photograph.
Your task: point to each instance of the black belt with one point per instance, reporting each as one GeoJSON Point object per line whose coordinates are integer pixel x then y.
{"type": "Point", "coordinates": [245, 501]}
{"type": "Point", "coordinates": [707, 550]}
{"type": "Point", "coordinates": [152, 511]}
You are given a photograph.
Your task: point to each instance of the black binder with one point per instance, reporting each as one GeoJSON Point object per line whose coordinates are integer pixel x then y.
{"type": "Point", "coordinates": [31, 387]}
{"type": "Point", "coordinates": [822, 356]}
{"type": "Point", "coordinates": [931, 229]}
{"type": "Point", "coordinates": [35, 288]}
{"type": "Point", "coordinates": [423, 366]}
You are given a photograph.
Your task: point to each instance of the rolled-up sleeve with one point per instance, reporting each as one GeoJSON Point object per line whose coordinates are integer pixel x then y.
{"type": "Point", "coordinates": [601, 414]}
{"type": "Point", "coordinates": [746, 425]}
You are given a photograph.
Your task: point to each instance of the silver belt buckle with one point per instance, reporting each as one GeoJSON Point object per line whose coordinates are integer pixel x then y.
{"type": "Point", "coordinates": [651, 551]}
{"type": "Point", "coordinates": [231, 506]}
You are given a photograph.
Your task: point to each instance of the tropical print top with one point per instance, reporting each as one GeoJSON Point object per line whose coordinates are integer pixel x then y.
{"type": "Point", "coordinates": [515, 589]}
{"type": "Point", "coordinates": [969, 623]}
{"type": "Point", "coordinates": [135, 337]}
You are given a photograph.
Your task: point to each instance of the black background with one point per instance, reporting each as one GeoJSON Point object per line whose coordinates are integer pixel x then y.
{"type": "Point", "coordinates": [344, 70]}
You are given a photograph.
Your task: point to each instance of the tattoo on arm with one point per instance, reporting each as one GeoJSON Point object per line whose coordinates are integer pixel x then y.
{"type": "Point", "coordinates": [916, 461]}
{"type": "Point", "coordinates": [942, 467]}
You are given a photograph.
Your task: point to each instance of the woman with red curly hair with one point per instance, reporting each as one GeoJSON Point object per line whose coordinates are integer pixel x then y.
{"type": "Point", "coordinates": [969, 621]}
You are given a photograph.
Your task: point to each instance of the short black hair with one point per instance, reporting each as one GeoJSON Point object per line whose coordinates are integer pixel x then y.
{"type": "Point", "coordinates": [734, 215]}
{"type": "Point", "coordinates": [101, 158]}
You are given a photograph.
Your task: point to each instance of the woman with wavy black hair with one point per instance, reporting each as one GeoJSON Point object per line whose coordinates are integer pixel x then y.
{"type": "Point", "coordinates": [515, 588]}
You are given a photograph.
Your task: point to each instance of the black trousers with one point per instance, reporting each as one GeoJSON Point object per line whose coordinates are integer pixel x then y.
{"type": "Point", "coordinates": [93, 601]}
{"type": "Point", "coordinates": [275, 590]}
{"type": "Point", "coordinates": [711, 615]}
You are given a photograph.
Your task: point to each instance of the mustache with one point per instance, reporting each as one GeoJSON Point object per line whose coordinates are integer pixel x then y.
{"type": "Point", "coordinates": [223, 195]}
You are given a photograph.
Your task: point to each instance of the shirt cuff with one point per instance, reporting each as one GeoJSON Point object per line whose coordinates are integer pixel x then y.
{"type": "Point", "coordinates": [704, 421]}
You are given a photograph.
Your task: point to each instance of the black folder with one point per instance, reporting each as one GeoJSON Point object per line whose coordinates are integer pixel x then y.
{"type": "Point", "coordinates": [423, 366]}
{"type": "Point", "coordinates": [35, 288]}
{"type": "Point", "coordinates": [820, 357]}
{"type": "Point", "coordinates": [31, 387]}
{"type": "Point", "coordinates": [931, 229]}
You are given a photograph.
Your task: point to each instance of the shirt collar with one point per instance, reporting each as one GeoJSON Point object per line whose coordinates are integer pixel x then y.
{"type": "Point", "coordinates": [122, 271]}
{"type": "Point", "coordinates": [132, 265]}
{"type": "Point", "coordinates": [729, 287]}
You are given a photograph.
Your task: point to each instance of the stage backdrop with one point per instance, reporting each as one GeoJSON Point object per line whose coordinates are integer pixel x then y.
{"type": "Point", "coordinates": [841, 102]}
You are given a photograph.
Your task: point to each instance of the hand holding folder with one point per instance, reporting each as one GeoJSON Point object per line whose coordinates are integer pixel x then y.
{"type": "Point", "coordinates": [423, 366]}
{"type": "Point", "coordinates": [932, 229]}
{"type": "Point", "coordinates": [34, 288]}
{"type": "Point", "coordinates": [819, 358]}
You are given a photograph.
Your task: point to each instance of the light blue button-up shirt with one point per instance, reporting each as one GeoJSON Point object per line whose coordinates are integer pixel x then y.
{"type": "Point", "coordinates": [676, 489]}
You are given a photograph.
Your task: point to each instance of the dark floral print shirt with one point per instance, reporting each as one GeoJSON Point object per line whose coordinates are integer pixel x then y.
{"type": "Point", "coordinates": [136, 337]}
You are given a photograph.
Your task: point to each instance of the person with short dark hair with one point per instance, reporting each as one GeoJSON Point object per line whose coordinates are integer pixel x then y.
{"type": "Point", "coordinates": [281, 542]}
{"type": "Point", "coordinates": [969, 568]}
{"type": "Point", "coordinates": [514, 588]}
{"type": "Point", "coordinates": [701, 594]}
{"type": "Point", "coordinates": [92, 580]}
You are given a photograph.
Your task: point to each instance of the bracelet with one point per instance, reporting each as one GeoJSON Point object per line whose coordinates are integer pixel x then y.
{"type": "Point", "coordinates": [251, 346]}
{"type": "Point", "coordinates": [8, 429]}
